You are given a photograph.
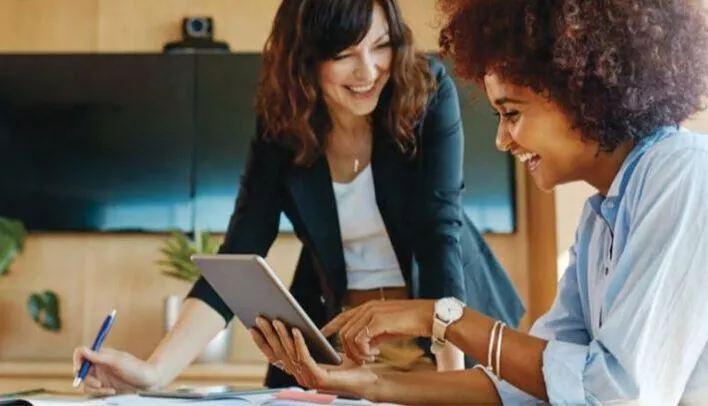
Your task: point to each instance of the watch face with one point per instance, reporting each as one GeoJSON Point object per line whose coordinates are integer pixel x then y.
{"type": "Point", "coordinates": [448, 310]}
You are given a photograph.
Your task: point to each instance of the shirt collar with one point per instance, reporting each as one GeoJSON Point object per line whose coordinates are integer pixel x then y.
{"type": "Point", "coordinates": [607, 206]}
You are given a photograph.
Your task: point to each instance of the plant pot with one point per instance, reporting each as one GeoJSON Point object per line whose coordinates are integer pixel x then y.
{"type": "Point", "coordinates": [217, 351]}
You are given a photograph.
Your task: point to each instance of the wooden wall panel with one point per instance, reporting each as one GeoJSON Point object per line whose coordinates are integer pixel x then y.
{"type": "Point", "coordinates": [48, 25]}
{"type": "Point", "coordinates": [542, 271]}
{"type": "Point", "coordinates": [49, 262]}
{"type": "Point", "coordinates": [92, 274]}
{"type": "Point", "coordinates": [421, 17]}
{"type": "Point", "coordinates": [145, 25]}
{"type": "Point", "coordinates": [512, 250]}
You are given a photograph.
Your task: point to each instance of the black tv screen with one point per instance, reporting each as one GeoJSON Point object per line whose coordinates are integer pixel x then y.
{"type": "Point", "coordinates": [97, 142]}
{"type": "Point", "coordinates": [153, 142]}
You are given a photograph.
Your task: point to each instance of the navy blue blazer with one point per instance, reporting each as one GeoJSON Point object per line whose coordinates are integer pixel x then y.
{"type": "Point", "coordinates": [439, 250]}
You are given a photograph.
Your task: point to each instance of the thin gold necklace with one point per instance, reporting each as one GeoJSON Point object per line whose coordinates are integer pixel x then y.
{"type": "Point", "coordinates": [356, 158]}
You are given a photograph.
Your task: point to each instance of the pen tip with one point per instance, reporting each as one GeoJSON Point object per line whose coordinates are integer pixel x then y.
{"type": "Point", "coordinates": [113, 313]}
{"type": "Point", "coordinates": [77, 382]}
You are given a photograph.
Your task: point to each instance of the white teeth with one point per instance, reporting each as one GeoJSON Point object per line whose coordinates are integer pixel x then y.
{"type": "Point", "coordinates": [362, 89]}
{"type": "Point", "coordinates": [526, 156]}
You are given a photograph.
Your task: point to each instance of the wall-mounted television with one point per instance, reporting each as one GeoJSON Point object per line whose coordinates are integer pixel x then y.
{"type": "Point", "coordinates": [154, 142]}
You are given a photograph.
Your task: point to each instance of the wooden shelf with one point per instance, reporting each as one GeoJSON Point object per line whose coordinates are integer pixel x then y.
{"type": "Point", "coordinates": [57, 376]}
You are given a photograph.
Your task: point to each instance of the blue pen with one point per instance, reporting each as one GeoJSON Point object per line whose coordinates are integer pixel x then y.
{"type": "Point", "coordinates": [102, 333]}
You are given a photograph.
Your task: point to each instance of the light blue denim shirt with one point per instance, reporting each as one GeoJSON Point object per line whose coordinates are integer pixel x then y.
{"type": "Point", "coordinates": [630, 322]}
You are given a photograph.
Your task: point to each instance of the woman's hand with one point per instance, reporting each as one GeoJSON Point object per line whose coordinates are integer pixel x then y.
{"type": "Point", "coordinates": [289, 352]}
{"type": "Point", "coordinates": [363, 328]}
{"type": "Point", "coordinates": [115, 372]}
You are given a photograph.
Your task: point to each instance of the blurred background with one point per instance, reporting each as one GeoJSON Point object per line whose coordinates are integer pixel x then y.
{"type": "Point", "coordinates": [123, 134]}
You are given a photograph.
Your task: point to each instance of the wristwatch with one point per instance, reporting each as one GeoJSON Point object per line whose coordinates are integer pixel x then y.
{"type": "Point", "coordinates": [447, 311]}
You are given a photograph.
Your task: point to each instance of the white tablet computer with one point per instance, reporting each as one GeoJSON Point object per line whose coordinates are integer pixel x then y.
{"type": "Point", "coordinates": [248, 285]}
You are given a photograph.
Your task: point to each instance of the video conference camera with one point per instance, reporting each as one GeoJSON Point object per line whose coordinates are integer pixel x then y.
{"type": "Point", "coordinates": [197, 36]}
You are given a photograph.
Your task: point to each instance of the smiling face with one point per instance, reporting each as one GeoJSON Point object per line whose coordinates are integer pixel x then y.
{"type": "Point", "coordinates": [352, 81]}
{"type": "Point", "coordinates": [538, 133]}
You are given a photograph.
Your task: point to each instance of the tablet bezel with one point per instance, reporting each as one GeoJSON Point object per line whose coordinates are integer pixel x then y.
{"type": "Point", "coordinates": [324, 353]}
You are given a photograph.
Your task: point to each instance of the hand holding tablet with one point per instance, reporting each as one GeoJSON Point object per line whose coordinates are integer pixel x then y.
{"type": "Point", "coordinates": [251, 289]}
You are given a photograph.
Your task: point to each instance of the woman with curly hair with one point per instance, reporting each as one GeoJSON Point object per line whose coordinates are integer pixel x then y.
{"type": "Point", "coordinates": [591, 91]}
{"type": "Point", "coordinates": [360, 144]}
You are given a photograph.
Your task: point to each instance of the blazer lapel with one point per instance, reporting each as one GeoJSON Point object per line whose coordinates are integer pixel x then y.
{"type": "Point", "coordinates": [312, 193]}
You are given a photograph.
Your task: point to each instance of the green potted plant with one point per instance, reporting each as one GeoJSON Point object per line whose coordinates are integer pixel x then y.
{"type": "Point", "coordinates": [43, 307]}
{"type": "Point", "coordinates": [176, 262]}
{"type": "Point", "coordinates": [12, 242]}
{"type": "Point", "coordinates": [177, 253]}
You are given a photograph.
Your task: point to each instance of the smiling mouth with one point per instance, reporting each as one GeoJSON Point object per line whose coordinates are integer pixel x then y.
{"type": "Point", "coordinates": [362, 88]}
{"type": "Point", "coordinates": [530, 159]}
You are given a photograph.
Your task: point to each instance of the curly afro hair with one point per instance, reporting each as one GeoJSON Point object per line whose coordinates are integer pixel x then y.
{"type": "Point", "coordinates": [618, 68]}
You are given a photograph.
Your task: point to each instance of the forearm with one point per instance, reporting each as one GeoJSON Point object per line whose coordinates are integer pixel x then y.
{"type": "Point", "coordinates": [521, 354]}
{"type": "Point", "coordinates": [438, 388]}
{"type": "Point", "coordinates": [196, 325]}
{"type": "Point", "coordinates": [450, 358]}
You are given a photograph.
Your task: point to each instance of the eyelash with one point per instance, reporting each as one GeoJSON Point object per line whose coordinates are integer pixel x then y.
{"type": "Point", "coordinates": [382, 46]}
{"type": "Point", "coordinates": [511, 116]}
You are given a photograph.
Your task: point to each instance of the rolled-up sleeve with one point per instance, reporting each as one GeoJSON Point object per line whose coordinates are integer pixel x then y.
{"type": "Point", "coordinates": [564, 321]}
{"type": "Point", "coordinates": [654, 331]}
{"type": "Point", "coordinates": [508, 393]}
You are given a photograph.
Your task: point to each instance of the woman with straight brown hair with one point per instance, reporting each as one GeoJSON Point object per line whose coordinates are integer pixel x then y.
{"type": "Point", "coordinates": [359, 143]}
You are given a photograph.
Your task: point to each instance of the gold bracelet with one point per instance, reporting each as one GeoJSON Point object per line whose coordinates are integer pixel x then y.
{"type": "Point", "coordinates": [492, 334]}
{"type": "Point", "coordinates": [499, 345]}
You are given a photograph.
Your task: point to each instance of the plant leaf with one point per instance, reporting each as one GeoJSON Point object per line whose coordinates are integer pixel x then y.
{"type": "Point", "coordinates": [8, 252]}
{"type": "Point", "coordinates": [44, 309]}
{"type": "Point", "coordinates": [35, 306]}
{"type": "Point", "coordinates": [51, 323]}
{"type": "Point", "coordinates": [15, 229]}
{"type": "Point", "coordinates": [204, 237]}
{"type": "Point", "coordinates": [177, 252]}
{"type": "Point", "coordinates": [51, 301]}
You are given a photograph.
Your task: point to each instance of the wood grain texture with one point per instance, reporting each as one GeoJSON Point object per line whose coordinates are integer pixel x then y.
{"type": "Point", "coordinates": [145, 25]}
{"type": "Point", "coordinates": [542, 258]}
{"type": "Point", "coordinates": [48, 26]}
{"type": "Point", "coordinates": [57, 376]}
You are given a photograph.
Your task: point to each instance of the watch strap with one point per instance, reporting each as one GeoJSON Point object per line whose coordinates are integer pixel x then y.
{"type": "Point", "coordinates": [438, 336]}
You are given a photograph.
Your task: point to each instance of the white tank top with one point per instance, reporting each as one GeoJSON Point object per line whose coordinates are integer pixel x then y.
{"type": "Point", "coordinates": [368, 254]}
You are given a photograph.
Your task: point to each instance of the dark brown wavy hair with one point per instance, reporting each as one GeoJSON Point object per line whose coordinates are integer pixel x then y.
{"type": "Point", "coordinates": [618, 68]}
{"type": "Point", "coordinates": [307, 32]}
